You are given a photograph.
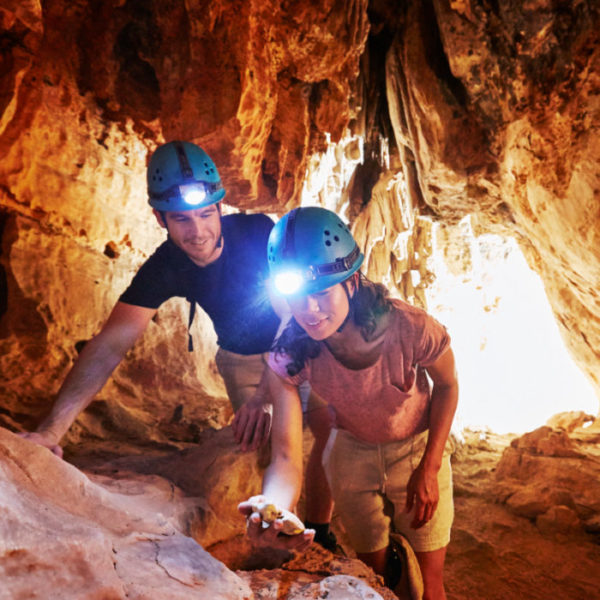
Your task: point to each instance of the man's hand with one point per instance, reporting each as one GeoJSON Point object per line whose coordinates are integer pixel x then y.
{"type": "Point", "coordinates": [269, 535]}
{"type": "Point", "coordinates": [252, 423]}
{"type": "Point", "coordinates": [422, 493]}
{"type": "Point", "coordinates": [43, 439]}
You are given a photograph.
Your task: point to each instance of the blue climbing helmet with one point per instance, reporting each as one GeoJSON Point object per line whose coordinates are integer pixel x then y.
{"type": "Point", "coordinates": [181, 176]}
{"type": "Point", "coordinates": [310, 249]}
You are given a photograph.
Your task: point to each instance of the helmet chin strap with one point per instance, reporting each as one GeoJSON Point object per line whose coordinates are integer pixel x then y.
{"type": "Point", "coordinates": [345, 286]}
{"type": "Point", "coordinates": [220, 240]}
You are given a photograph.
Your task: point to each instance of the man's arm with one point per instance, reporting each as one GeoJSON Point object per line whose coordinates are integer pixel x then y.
{"type": "Point", "coordinates": [422, 488]}
{"type": "Point", "coordinates": [252, 422]}
{"type": "Point", "coordinates": [93, 367]}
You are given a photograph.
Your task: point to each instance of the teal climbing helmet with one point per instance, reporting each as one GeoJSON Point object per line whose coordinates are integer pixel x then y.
{"type": "Point", "coordinates": [310, 249]}
{"type": "Point", "coordinates": [181, 176]}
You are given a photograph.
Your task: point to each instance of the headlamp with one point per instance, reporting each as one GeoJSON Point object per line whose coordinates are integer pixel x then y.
{"type": "Point", "coordinates": [292, 281]}
{"type": "Point", "coordinates": [288, 283]}
{"type": "Point", "coordinates": [193, 193]}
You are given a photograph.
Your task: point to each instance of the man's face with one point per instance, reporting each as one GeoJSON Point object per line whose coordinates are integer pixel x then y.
{"type": "Point", "coordinates": [196, 232]}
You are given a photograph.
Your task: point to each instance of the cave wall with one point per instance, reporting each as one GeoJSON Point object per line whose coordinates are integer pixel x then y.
{"type": "Point", "coordinates": [88, 91]}
{"type": "Point", "coordinates": [500, 112]}
{"type": "Point", "coordinates": [482, 108]}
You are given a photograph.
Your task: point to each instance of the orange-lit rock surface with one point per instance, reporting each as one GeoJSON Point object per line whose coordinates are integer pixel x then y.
{"type": "Point", "coordinates": [523, 524]}
{"type": "Point", "coordinates": [65, 536]}
{"type": "Point", "coordinates": [466, 107]}
{"type": "Point", "coordinates": [487, 112]}
{"type": "Point", "coordinates": [136, 527]}
{"type": "Point", "coordinates": [136, 523]}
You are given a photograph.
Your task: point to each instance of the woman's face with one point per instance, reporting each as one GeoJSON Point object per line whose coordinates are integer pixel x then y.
{"type": "Point", "coordinates": [321, 314]}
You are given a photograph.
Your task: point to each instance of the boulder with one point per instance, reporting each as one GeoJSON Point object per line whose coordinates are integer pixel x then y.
{"type": "Point", "coordinates": [65, 533]}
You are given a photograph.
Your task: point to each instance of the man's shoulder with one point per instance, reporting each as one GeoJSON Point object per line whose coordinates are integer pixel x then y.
{"type": "Point", "coordinates": [246, 222]}
{"type": "Point", "coordinates": [250, 230]}
{"type": "Point", "coordinates": [166, 256]}
{"type": "Point", "coordinates": [158, 279]}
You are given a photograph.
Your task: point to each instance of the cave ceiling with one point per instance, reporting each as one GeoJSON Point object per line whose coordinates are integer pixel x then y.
{"type": "Point", "coordinates": [487, 108]}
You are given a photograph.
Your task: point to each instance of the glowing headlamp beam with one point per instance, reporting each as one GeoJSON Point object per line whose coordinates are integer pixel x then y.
{"type": "Point", "coordinates": [194, 196]}
{"type": "Point", "coordinates": [288, 282]}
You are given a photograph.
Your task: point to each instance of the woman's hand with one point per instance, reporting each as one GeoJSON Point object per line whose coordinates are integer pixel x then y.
{"type": "Point", "coordinates": [422, 493]}
{"type": "Point", "coordinates": [267, 526]}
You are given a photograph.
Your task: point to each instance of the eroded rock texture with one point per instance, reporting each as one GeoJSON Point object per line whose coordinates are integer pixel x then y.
{"type": "Point", "coordinates": [88, 90]}
{"type": "Point", "coordinates": [436, 109]}
{"type": "Point", "coordinates": [495, 105]}
{"type": "Point", "coordinates": [461, 108]}
{"type": "Point", "coordinates": [65, 535]}
{"type": "Point", "coordinates": [137, 526]}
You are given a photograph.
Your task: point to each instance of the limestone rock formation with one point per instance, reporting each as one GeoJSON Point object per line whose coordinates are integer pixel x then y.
{"type": "Point", "coordinates": [137, 526]}
{"type": "Point", "coordinates": [518, 526]}
{"type": "Point", "coordinates": [463, 108]}
{"type": "Point", "coordinates": [63, 532]}
{"type": "Point", "coordinates": [559, 495]}
{"type": "Point", "coordinates": [497, 106]}
{"type": "Point", "coordinates": [431, 110]}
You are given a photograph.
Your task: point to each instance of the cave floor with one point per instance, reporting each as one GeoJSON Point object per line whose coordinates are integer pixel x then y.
{"type": "Point", "coordinates": [496, 555]}
{"type": "Point", "coordinates": [493, 555]}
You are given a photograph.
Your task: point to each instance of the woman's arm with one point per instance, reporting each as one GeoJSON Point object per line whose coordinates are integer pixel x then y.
{"type": "Point", "coordinates": [282, 482]}
{"type": "Point", "coordinates": [422, 488]}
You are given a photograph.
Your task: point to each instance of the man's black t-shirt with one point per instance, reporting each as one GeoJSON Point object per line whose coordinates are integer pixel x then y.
{"type": "Point", "coordinates": [231, 290]}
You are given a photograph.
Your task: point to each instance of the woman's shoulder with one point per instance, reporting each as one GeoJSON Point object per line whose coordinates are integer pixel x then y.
{"type": "Point", "coordinates": [408, 320]}
{"type": "Point", "coordinates": [402, 311]}
{"type": "Point", "coordinates": [279, 361]}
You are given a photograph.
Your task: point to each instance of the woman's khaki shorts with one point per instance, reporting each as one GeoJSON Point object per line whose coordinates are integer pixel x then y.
{"type": "Point", "coordinates": [368, 483]}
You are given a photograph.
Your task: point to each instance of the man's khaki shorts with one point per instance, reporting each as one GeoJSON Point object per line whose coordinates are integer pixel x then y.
{"type": "Point", "coordinates": [368, 483]}
{"type": "Point", "coordinates": [241, 374]}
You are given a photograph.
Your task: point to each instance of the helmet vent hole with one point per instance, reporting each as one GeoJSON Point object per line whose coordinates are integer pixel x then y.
{"type": "Point", "coordinates": [327, 243]}
{"type": "Point", "coordinates": [327, 232]}
{"type": "Point", "coordinates": [336, 238]}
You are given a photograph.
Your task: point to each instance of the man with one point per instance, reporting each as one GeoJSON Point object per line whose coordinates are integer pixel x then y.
{"type": "Point", "coordinates": [218, 262]}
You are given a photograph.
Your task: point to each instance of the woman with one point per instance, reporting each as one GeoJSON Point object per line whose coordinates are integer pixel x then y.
{"type": "Point", "coordinates": [369, 356]}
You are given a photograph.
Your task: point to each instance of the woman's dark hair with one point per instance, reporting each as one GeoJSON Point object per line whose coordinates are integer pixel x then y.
{"type": "Point", "coordinates": [370, 301]}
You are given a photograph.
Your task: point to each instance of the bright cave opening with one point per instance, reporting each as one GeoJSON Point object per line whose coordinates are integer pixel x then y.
{"type": "Point", "coordinates": [515, 371]}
